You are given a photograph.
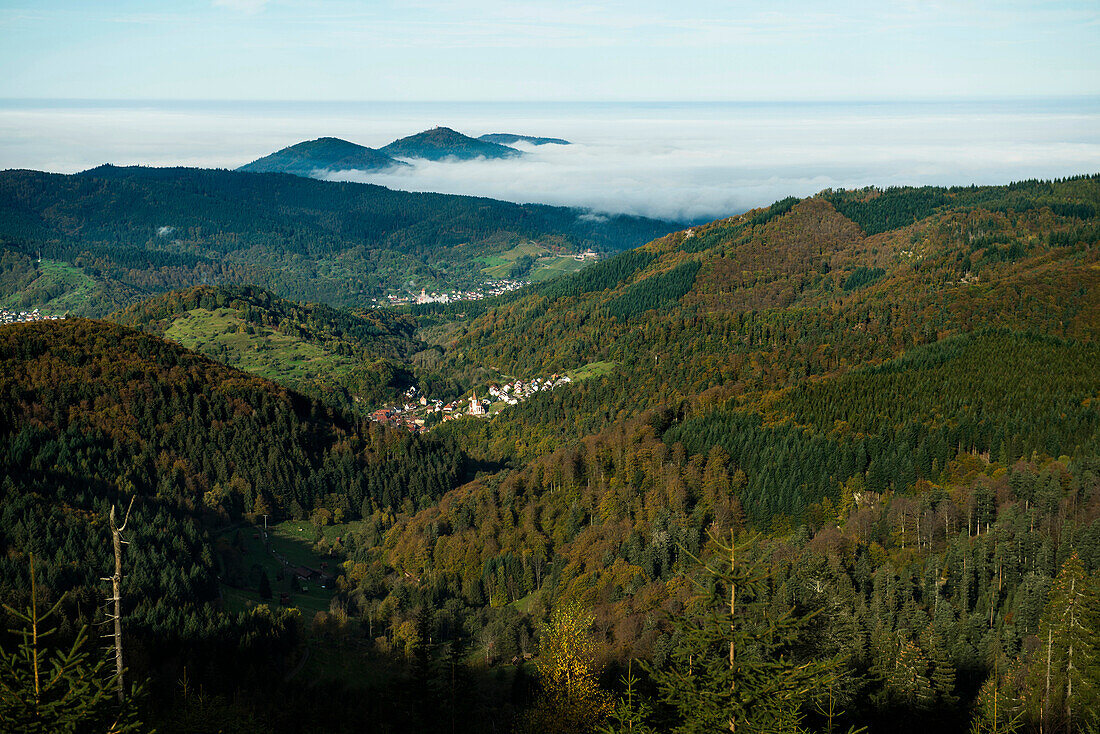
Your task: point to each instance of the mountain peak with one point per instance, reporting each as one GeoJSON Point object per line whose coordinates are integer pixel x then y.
{"type": "Point", "coordinates": [441, 142]}
{"type": "Point", "coordinates": [512, 138]}
{"type": "Point", "coordinates": [321, 154]}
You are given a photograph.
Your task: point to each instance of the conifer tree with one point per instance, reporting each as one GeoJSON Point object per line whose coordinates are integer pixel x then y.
{"type": "Point", "coordinates": [61, 690]}
{"type": "Point", "coordinates": [631, 711]}
{"type": "Point", "coordinates": [734, 669]}
{"type": "Point", "coordinates": [1064, 674]}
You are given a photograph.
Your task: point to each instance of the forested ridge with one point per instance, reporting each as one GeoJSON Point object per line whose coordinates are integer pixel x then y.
{"type": "Point", "coordinates": [149, 230]}
{"type": "Point", "coordinates": [355, 361]}
{"type": "Point", "coordinates": [844, 458]}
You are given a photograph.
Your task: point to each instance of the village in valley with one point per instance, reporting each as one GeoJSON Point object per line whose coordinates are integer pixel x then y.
{"type": "Point", "coordinates": [487, 289]}
{"type": "Point", "coordinates": [26, 317]}
{"type": "Point", "coordinates": [418, 413]}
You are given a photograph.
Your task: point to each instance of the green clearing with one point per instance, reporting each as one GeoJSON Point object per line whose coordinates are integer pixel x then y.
{"type": "Point", "coordinates": [548, 268]}
{"type": "Point", "coordinates": [590, 370]}
{"type": "Point", "coordinates": [523, 606]}
{"type": "Point", "coordinates": [500, 265]}
{"type": "Point", "coordinates": [224, 335]}
{"type": "Point", "coordinates": [59, 288]}
{"type": "Point", "coordinates": [547, 264]}
{"type": "Point", "coordinates": [244, 555]}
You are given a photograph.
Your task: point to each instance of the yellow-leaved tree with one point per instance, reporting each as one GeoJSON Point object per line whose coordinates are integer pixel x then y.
{"type": "Point", "coordinates": [571, 698]}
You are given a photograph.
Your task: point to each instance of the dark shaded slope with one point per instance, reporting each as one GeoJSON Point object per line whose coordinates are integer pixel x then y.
{"type": "Point", "coordinates": [321, 155]}
{"type": "Point", "coordinates": [100, 406]}
{"type": "Point", "coordinates": [440, 143]}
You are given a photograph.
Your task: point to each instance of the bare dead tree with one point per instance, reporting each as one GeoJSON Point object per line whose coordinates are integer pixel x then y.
{"type": "Point", "coordinates": [116, 593]}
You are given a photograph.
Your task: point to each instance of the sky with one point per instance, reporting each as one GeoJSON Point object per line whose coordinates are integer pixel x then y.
{"type": "Point", "coordinates": [682, 109]}
{"type": "Point", "coordinates": [517, 50]}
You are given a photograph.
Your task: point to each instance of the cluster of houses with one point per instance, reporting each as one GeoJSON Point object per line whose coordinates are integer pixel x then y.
{"type": "Point", "coordinates": [399, 417]}
{"type": "Point", "coordinates": [414, 414]}
{"type": "Point", "coordinates": [489, 288]}
{"type": "Point", "coordinates": [515, 392]}
{"type": "Point", "coordinates": [26, 317]}
{"type": "Point", "coordinates": [510, 393]}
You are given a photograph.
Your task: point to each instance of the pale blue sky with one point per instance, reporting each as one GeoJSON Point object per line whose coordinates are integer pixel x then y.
{"type": "Point", "coordinates": [547, 49]}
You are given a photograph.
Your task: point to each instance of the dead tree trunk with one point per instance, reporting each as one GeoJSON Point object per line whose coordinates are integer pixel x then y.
{"type": "Point", "coordinates": [116, 594]}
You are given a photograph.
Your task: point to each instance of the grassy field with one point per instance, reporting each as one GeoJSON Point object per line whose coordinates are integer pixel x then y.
{"type": "Point", "coordinates": [547, 268]}
{"type": "Point", "coordinates": [223, 334]}
{"type": "Point", "coordinates": [59, 288]}
{"type": "Point", "coordinates": [590, 370]}
{"type": "Point", "coordinates": [293, 540]}
{"type": "Point", "coordinates": [547, 263]}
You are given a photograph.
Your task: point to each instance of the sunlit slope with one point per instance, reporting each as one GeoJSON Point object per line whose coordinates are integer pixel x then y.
{"type": "Point", "coordinates": [802, 274]}
{"type": "Point", "coordinates": [355, 361]}
{"type": "Point", "coordinates": [745, 305]}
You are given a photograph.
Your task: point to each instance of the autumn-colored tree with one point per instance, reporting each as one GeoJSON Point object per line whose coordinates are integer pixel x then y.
{"type": "Point", "coordinates": [571, 699]}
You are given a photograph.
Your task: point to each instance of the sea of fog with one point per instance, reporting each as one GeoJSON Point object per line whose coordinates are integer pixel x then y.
{"type": "Point", "coordinates": [685, 161]}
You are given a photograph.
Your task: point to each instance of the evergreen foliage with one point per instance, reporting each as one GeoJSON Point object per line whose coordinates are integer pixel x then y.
{"type": "Point", "coordinates": [655, 292]}
{"type": "Point", "coordinates": [154, 230]}
{"type": "Point", "coordinates": [733, 669]}
{"type": "Point", "coordinates": [920, 451]}
{"type": "Point", "coordinates": [599, 277]}
{"type": "Point", "coordinates": [862, 276]}
{"type": "Point", "coordinates": [63, 690]}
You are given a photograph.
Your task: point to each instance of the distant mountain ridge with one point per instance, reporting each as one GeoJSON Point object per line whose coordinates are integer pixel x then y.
{"type": "Point", "coordinates": [322, 154]}
{"type": "Point", "coordinates": [312, 157]}
{"type": "Point", "coordinates": [443, 142]}
{"type": "Point", "coordinates": [109, 235]}
{"type": "Point", "coordinates": [512, 138]}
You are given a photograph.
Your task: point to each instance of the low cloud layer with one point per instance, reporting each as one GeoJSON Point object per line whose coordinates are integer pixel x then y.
{"type": "Point", "coordinates": [683, 162]}
{"type": "Point", "coordinates": [702, 169]}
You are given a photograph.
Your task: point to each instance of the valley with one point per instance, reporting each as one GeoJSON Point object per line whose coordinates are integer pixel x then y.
{"type": "Point", "coordinates": [111, 236]}
{"type": "Point", "coordinates": [886, 400]}
{"type": "Point", "coordinates": [549, 368]}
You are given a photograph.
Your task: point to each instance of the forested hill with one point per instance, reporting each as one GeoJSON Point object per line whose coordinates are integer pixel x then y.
{"type": "Point", "coordinates": [94, 413]}
{"type": "Point", "coordinates": [441, 143]}
{"type": "Point", "coordinates": [323, 154]}
{"type": "Point", "coordinates": [354, 361]}
{"type": "Point", "coordinates": [111, 233]}
{"type": "Point", "coordinates": [898, 390]}
{"type": "Point", "coordinates": [902, 267]}
{"type": "Point", "coordinates": [94, 408]}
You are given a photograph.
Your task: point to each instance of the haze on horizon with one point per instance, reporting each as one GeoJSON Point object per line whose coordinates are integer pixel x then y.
{"type": "Point", "coordinates": [574, 70]}
{"type": "Point", "coordinates": [515, 50]}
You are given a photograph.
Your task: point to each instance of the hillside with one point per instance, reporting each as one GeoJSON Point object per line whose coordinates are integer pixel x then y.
{"type": "Point", "coordinates": [890, 399]}
{"type": "Point", "coordinates": [95, 413]}
{"type": "Point", "coordinates": [901, 387]}
{"type": "Point", "coordinates": [510, 139]}
{"type": "Point", "coordinates": [107, 387]}
{"type": "Point", "coordinates": [441, 143]}
{"type": "Point", "coordinates": [110, 234]}
{"type": "Point", "coordinates": [355, 362]}
{"type": "Point", "coordinates": [807, 283]}
{"type": "Point", "coordinates": [321, 155]}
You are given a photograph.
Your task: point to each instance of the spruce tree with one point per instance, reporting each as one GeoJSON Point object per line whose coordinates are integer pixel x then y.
{"type": "Point", "coordinates": [1064, 674]}
{"type": "Point", "coordinates": [62, 690]}
{"type": "Point", "coordinates": [734, 669]}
